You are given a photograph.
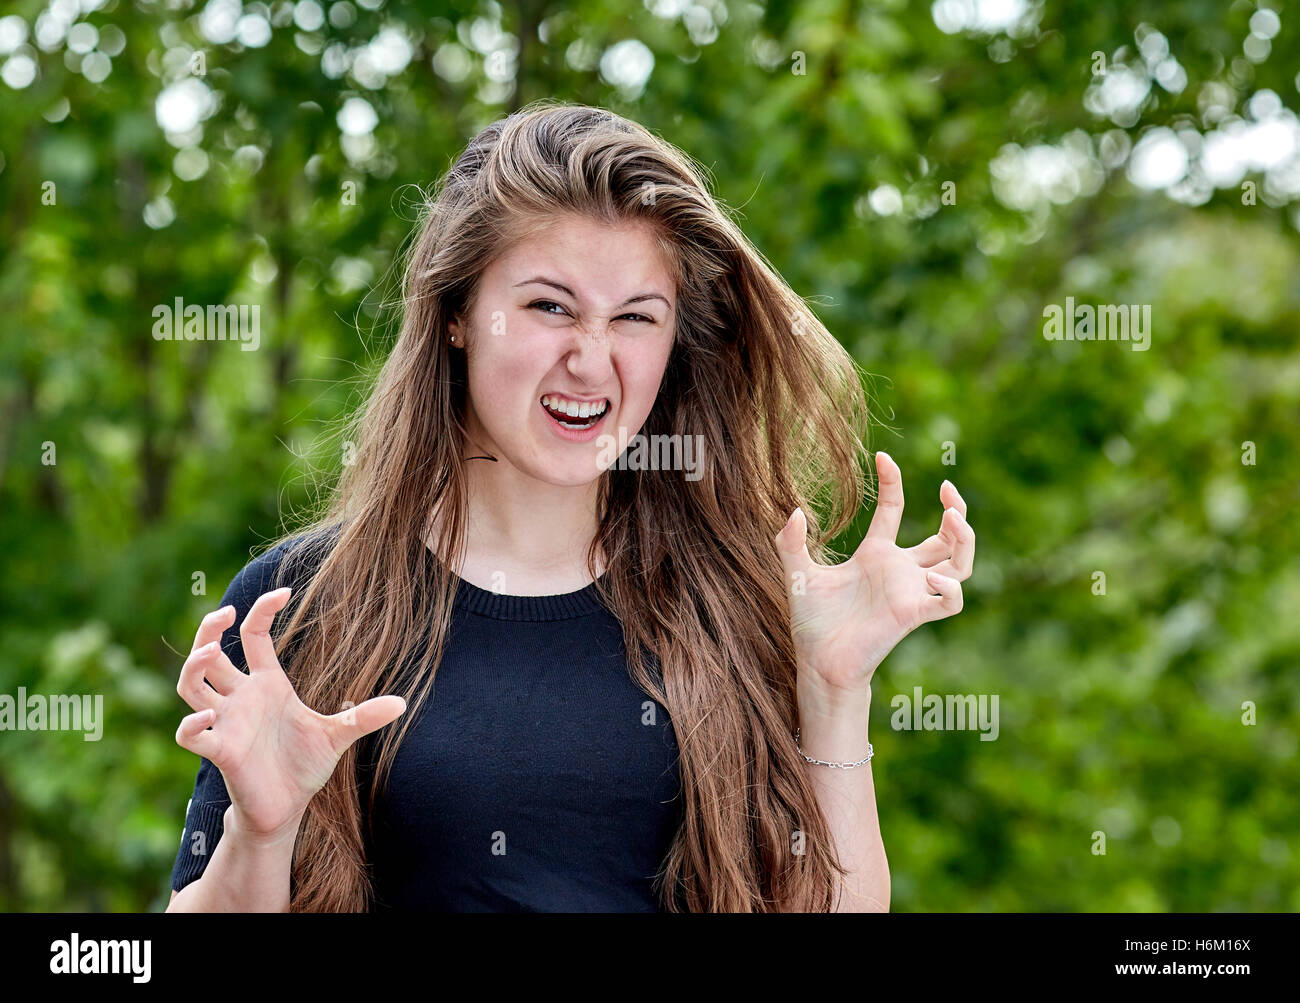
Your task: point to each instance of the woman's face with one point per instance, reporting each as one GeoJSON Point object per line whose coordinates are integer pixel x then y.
{"type": "Point", "coordinates": [568, 338]}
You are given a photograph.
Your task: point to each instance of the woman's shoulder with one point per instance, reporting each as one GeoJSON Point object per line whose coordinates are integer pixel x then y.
{"type": "Point", "coordinates": [291, 562]}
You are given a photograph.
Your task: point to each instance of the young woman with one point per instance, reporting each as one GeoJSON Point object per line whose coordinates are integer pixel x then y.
{"type": "Point", "coordinates": [612, 686]}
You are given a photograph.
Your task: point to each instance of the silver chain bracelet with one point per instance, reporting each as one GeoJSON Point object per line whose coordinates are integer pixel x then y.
{"type": "Point", "coordinates": [839, 766]}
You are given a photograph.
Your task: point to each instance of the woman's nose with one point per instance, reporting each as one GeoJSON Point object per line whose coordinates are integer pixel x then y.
{"type": "Point", "coordinates": [590, 357]}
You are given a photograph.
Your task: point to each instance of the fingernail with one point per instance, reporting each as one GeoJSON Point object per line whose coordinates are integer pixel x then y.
{"type": "Point", "coordinates": [881, 452]}
{"type": "Point", "coordinates": [207, 648]}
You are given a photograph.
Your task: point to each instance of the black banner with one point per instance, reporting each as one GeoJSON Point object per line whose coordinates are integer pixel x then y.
{"type": "Point", "coordinates": [1222, 952]}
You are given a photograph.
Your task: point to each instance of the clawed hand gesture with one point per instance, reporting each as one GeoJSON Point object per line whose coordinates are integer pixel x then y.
{"type": "Point", "coordinates": [846, 618]}
{"type": "Point", "coordinates": [274, 752]}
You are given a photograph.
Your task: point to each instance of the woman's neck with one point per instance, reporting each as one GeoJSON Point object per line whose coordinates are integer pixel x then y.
{"type": "Point", "coordinates": [524, 536]}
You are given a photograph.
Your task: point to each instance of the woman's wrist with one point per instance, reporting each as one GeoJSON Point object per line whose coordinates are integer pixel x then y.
{"type": "Point", "coordinates": [833, 725]}
{"type": "Point", "coordinates": [281, 838]}
{"type": "Point", "coordinates": [248, 872]}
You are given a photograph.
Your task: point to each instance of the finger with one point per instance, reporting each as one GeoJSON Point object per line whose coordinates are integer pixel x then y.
{"type": "Point", "coordinates": [951, 497]}
{"type": "Point", "coordinates": [221, 672]}
{"type": "Point", "coordinates": [191, 687]}
{"type": "Point", "coordinates": [792, 547]}
{"type": "Point", "coordinates": [939, 547]}
{"type": "Point", "coordinates": [889, 500]}
{"type": "Point", "coordinates": [946, 569]}
{"type": "Point", "coordinates": [963, 551]}
{"type": "Point", "coordinates": [255, 631]}
{"type": "Point", "coordinates": [370, 715]}
{"type": "Point", "coordinates": [213, 626]}
{"type": "Point", "coordinates": [193, 734]}
{"type": "Point", "coordinates": [949, 600]}
{"type": "Point", "coordinates": [931, 550]}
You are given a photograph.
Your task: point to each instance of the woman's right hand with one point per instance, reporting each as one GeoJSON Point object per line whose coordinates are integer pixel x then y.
{"type": "Point", "coordinates": [274, 752]}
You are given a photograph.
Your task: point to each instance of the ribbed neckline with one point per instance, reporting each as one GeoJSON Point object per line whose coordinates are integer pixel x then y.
{"type": "Point", "coordinates": [499, 606]}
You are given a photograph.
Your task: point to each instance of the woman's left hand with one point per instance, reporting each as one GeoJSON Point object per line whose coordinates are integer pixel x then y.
{"type": "Point", "coordinates": [846, 618]}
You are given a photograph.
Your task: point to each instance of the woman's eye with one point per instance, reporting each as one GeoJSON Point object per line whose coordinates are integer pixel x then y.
{"type": "Point", "coordinates": [545, 305]}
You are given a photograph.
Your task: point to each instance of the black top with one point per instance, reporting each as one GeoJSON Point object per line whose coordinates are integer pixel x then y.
{"type": "Point", "coordinates": [537, 777]}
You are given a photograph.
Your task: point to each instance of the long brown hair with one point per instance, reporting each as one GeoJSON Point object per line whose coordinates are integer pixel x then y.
{"type": "Point", "coordinates": [692, 572]}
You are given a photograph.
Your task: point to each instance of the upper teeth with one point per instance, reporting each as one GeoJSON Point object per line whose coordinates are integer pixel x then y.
{"type": "Point", "coordinates": [574, 409]}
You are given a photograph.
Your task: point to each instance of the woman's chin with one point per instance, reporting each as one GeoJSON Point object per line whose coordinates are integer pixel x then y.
{"type": "Point", "coordinates": [567, 468]}
{"type": "Point", "coordinates": [572, 475]}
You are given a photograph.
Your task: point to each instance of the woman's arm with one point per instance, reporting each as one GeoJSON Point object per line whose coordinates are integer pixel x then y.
{"type": "Point", "coordinates": [844, 620]}
{"type": "Point", "coordinates": [848, 801]}
{"type": "Point", "coordinates": [274, 754]}
{"type": "Point", "coordinates": [247, 872]}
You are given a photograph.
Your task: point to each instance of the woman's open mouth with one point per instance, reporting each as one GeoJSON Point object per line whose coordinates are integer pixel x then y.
{"type": "Point", "coordinates": [575, 416]}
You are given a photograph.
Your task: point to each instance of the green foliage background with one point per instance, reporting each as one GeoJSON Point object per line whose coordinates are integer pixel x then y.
{"type": "Point", "coordinates": [1120, 713]}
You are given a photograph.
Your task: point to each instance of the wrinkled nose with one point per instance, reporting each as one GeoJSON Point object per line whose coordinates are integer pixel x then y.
{"type": "Point", "coordinates": [589, 359]}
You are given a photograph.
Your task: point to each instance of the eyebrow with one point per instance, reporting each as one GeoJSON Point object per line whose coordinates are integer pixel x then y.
{"type": "Point", "coordinates": [565, 289]}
